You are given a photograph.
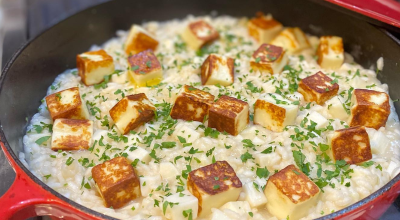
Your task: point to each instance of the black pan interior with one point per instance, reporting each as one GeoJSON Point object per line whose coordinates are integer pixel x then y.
{"type": "Point", "coordinates": [27, 76]}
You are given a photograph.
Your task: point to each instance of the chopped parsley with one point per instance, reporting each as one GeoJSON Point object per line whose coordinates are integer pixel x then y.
{"type": "Point", "coordinates": [42, 140]}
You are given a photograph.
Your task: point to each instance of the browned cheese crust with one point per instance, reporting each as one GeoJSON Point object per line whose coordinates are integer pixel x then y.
{"type": "Point", "coordinates": [277, 113]}
{"type": "Point", "coordinates": [318, 88]}
{"type": "Point", "coordinates": [146, 112]}
{"type": "Point", "coordinates": [204, 180]}
{"type": "Point", "coordinates": [70, 110]}
{"type": "Point", "coordinates": [323, 47]}
{"type": "Point", "coordinates": [368, 113]}
{"type": "Point", "coordinates": [200, 26]}
{"type": "Point", "coordinates": [86, 65]}
{"type": "Point", "coordinates": [141, 42]}
{"type": "Point", "coordinates": [291, 181]}
{"type": "Point", "coordinates": [212, 63]}
{"type": "Point", "coordinates": [187, 103]}
{"type": "Point", "coordinates": [117, 182]}
{"type": "Point", "coordinates": [73, 142]}
{"type": "Point", "coordinates": [262, 23]}
{"type": "Point", "coordinates": [351, 145]}
{"type": "Point", "coordinates": [265, 56]}
{"type": "Point", "coordinates": [144, 62]}
{"type": "Point", "coordinates": [224, 112]}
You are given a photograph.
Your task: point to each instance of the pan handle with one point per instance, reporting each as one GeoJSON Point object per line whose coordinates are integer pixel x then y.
{"type": "Point", "coordinates": [26, 198]}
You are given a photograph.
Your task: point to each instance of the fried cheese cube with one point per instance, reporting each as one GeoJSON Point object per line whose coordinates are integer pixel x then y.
{"type": "Point", "coordinates": [183, 202]}
{"type": "Point", "coordinates": [330, 52]}
{"type": "Point", "coordinates": [229, 114]}
{"type": "Point", "coordinates": [67, 104]}
{"type": "Point", "coordinates": [350, 144]}
{"type": "Point", "coordinates": [116, 182]}
{"type": "Point", "coordinates": [139, 40]}
{"type": "Point", "coordinates": [269, 59]}
{"type": "Point", "coordinates": [214, 185]}
{"type": "Point", "coordinates": [132, 112]}
{"type": "Point", "coordinates": [292, 39]}
{"type": "Point", "coordinates": [264, 28]}
{"type": "Point", "coordinates": [192, 104]}
{"type": "Point", "coordinates": [290, 193]}
{"type": "Point", "coordinates": [217, 69]}
{"type": "Point", "coordinates": [71, 134]}
{"type": "Point", "coordinates": [369, 108]}
{"type": "Point", "coordinates": [318, 88]}
{"type": "Point", "coordinates": [274, 112]}
{"type": "Point", "coordinates": [145, 69]}
{"type": "Point", "coordinates": [199, 33]}
{"type": "Point", "coordinates": [93, 66]}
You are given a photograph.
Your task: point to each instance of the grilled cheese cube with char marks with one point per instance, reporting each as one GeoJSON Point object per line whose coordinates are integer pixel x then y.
{"type": "Point", "coordinates": [290, 193]}
{"type": "Point", "coordinates": [350, 144]}
{"type": "Point", "coordinates": [116, 182]}
{"type": "Point", "coordinates": [274, 112]}
{"type": "Point", "coordinates": [139, 40]}
{"type": "Point", "coordinates": [217, 69]}
{"type": "Point", "coordinates": [369, 108]}
{"type": "Point", "coordinates": [264, 28]}
{"type": "Point", "coordinates": [67, 104]}
{"type": "Point", "coordinates": [229, 114]}
{"type": "Point", "coordinates": [93, 66]}
{"type": "Point", "coordinates": [71, 134]}
{"type": "Point", "coordinates": [330, 52]}
{"type": "Point", "coordinates": [132, 112]}
{"type": "Point", "coordinates": [192, 104]}
{"type": "Point", "coordinates": [145, 69]}
{"type": "Point", "coordinates": [199, 33]}
{"type": "Point", "coordinates": [318, 88]}
{"type": "Point", "coordinates": [269, 59]}
{"type": "Point", "coordinates": [214, 185]}
{"type": "Point", "coordinates": [292, 39]}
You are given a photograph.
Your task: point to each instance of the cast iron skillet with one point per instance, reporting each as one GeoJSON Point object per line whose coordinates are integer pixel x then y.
{"type": "Point", "coordinates": [33, 68]}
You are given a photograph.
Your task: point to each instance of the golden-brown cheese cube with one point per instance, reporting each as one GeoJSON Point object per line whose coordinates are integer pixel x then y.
{"type": "Point", "coordinates": [330, 52]}
{"type": "Point", "coordinates": [145, 69]}
{"type": "Point", "coordinates": [139, 40]}
{"type": "Point", "coordinates": [369, 108]}
{"type": "Point", "coordinates": [274, 112]}
{"type": "Point", "coordinates": [217, 69]}
{"type": "Point", "coordinates": [229, 114]}
{"type": "Point", "coordinates": [318, 88]}
{"type": "Point", "coordinates": [350, 144]}
{"type": "Point", "coordinates": [71, 134]}
{"type": "Point", "coordinates": [192, 104]}
{"type": "Point", "coordinates": [67, 104]}
{"type": "Point", "coordinates": [93, 66]}
{"type": "Point", "coordinates": [117, 182]}
{"type": "Point", "coordinates": [199, 33]}
{"type": "Point", "coordinates": [290, 193]}
{"type": "Point", "coordinates": [264, 28]}
{"type": "Point", "coordinates": [292, 39]}
{"type": "Point", "coordinates": [269, 59]}
{"type": "Point", "coordinates": [214, 185]}
{"type": "Point", "coordinates": [132, 111]}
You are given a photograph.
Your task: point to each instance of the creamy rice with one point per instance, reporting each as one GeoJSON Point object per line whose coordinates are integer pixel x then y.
{"type": "Point", "coordinates": [182, 67]}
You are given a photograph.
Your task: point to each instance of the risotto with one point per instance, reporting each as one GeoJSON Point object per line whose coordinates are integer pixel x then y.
{"type": "Point", "coordinates": [172, 148]}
